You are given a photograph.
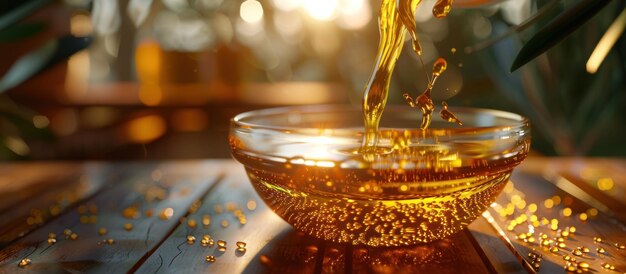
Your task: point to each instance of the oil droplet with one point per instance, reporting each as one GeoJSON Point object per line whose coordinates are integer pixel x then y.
{"type": "Point", "coordinates": [449, 116]}
{"type": "Point", "coordinates": [439, 67]}
{"type": "Point", "coordinates": [442, 8]}
{"type": "Point", "coordinates": [409, 99]}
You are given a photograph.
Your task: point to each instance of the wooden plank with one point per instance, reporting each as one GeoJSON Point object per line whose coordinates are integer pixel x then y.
{"type": "Point", "coordinates": [149, 189]}
{"type": "Point", "coordinates": [497, 252]}
{"type": "Point", "coordinates": [264, 233]}
{"type": "Point", "coordinates": [47, 191]}
{"type": "Point", "coordinates": [535, 190]}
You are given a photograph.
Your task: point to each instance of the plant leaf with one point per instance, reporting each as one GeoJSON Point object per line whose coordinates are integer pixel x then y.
{"type": "Point", "coordinates": [45, 56]}
{"type": "Point", "coordinates": [15, 15]}
{"type": "Point", "coordinates": [559, 28]}
{"type": "Point", "coordinates": [21, 31]}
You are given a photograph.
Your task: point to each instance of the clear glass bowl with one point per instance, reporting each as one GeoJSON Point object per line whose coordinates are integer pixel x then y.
{"type": "Point", "coordinates": [419, 186]}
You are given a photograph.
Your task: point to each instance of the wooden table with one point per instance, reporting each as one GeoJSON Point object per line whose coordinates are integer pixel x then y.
{"type": "Point", "coordinates": [149, 210]}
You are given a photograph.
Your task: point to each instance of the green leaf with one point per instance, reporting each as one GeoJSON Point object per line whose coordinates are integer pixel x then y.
{"type": "Point", "coordinates": [21, 31]}
{"type": "Point", "coordinates": [20, 12]}
{"type": "Point", "coordinates": [559, 28]}
{"type": "Point", "coordinates": [50, 53]}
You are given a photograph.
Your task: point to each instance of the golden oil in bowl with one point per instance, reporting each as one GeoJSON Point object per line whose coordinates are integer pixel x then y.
{"type": "Point", "coordinates": [418, 186]}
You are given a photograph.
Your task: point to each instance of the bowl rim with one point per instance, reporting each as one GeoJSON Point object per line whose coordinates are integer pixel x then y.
{"type": "Point", "coordinates": [518, 121]}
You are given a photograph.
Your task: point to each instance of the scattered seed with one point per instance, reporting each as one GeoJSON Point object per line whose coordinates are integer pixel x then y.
{"type": "Point", "coordinates": [24, 262]}
{"type": "Point", "coordinates": [102, 231]}
{"type": "Point", "coordinates": [128, 226]}
{"type": "Point", "coordinates": [210, 259]}
{"type": "Point", "coordinates": [73, 236]}
{"type": "Point", "coordinates": [191, 239]}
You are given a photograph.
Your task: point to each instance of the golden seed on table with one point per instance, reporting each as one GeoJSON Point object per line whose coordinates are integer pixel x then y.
{"type": "Point", "coordinates": [570, 268]}
{"type": "Point", "coordinates": [521, 236]}
{"type": "Point", "coordinates": [597, 239]}
{"type": "Point", "coordinates": [543, 236]}
{"type": "Point", "coordinates": [241, 249]}
{"type": "Point", "coordinates": [67, 232]}
{"type": "Point", "coordinates": [52, 235]}
{"type": "Point", "coordinates": [221, 243]}
{"type": "Point", "coordinates": [600, 250]}
{"type": "Point", "coordinates": [565, 233]}
{"type": "Point", "coordinates": [211, 259]}
{"type": "Point", "coordinates": [84, 219]}
{"type": "Point", "coordinates": [545, 243]}
{"type": "Point", "coordinates": [191, 239]}
{"type": "Point", "coordinates": [206, 237]}
{"type": "Point", "coordinates": [52, 240]}
{"type": "Point", "coordinates": [224, 223]}
{"type": "Point", "coordinates": [191, 223]}
{"type": "Point", "coordinates": [583, 265]}
{"type": "Point", "coordinates": [582, 217]}
{"type": "Point", "coordinates": [554, 249]}
{"type": "Point", "coordinates": [577, 252]}
{"type": "Point", "coordinates": [560, 239]}
{"type": "Point", "coordinates": [102, 231]}
{"type": "Point", "coordinates": [251, 205]}
{"type": "Point", "coordinates": [206, 220]}
{"type": "Point", "coordinates": [585, 249]}
{"type": "Point", "coordinates": [73, 236]}
{"type": "Point", "coordinates": [128, 226]}
{"type": "Point", "coordinates": [24, 262]}
{"type": "Point", "coordinates": [241, 244]}
{"type": "Point", "coordinates": [93, 219]}
{"type": "Point", "coordinates": [561, 245]}
{"type": "Point", "coordinates": [572, 229]}
{"type": "Point", "coordinates": [110, 241]}
{"type": "Point", "coordinates": [166, 213]}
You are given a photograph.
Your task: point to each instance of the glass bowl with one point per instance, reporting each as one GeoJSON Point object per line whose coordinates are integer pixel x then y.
{"type": "Point", "coordinates": [419, 186]}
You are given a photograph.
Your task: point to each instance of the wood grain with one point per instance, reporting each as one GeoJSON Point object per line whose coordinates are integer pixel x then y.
{"type": "Point", "coordinates": [85, 254]}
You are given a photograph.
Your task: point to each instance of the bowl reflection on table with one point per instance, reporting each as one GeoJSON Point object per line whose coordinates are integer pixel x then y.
{"type": "Point", "coordinates": [420, 186]}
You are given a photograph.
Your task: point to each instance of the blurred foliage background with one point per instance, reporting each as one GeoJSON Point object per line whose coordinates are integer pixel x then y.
{"type": "Point", "coordinates": [154, 79]}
